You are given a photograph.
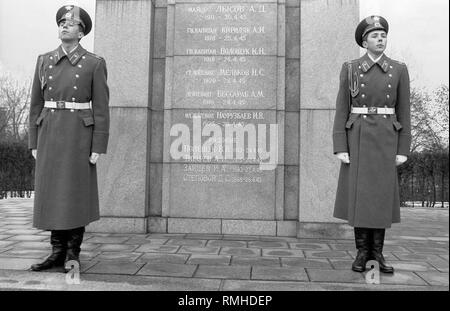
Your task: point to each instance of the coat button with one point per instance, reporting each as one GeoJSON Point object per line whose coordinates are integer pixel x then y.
{"type": "Point", "coordinates": [51, 99]}
{"type": "Point", "coordinates": [53, 110]}
{"type": "Point", "coordinates": [388, 96]}
{"type": "Point", "coordinates": [391, 67]}
{"type": "Point", "coordinates": [50, 66]}
{"type": "Point", "coordinates": [73, 99]}
{"type": "Point", "coordinates": [361, 75]}
{"type": "Point", "coordinates": [364, 116]}
{"type": "Point", "coordinates": [80, 66]}
{"type": "Point", "coordinates": [385, 116]}
{"type": "Point", "coordinates": [50, 77]}
{"type": "Point", "coordinates": [390, 75]}
{"type": "Point", "coordinates": [84, 57]}
{"type": "Point", "coordinates": [77, 76]}
{"type": "Point", "coordinates": [363, 85]}
{"type": "Point", "coordinates": [71, 110]}
{"type": "Point", "coordinates": [50, 88]}
{"type": "Point", "coordinates": [75, 87]}
{"type": "Point", "coordinates": [389, 86]}
{"type": "Point", "coordinates": [363, 95]}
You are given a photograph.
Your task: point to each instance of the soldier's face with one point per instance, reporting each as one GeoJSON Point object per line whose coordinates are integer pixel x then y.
{"type": "Point", "coordinates": [69, 31]}
{"type": "Point", "coordinates": [376, 42]}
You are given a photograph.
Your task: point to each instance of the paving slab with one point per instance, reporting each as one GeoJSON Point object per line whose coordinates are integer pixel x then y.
{"type": "Point", "coordinates": [265, 286]}
{"type": "Point", "coordinates": [192, 242]}
{"type": "Point", "coordinates": [117, 247]}
{"type": "Point", "coordinates": [342, 276]}
{"type": "Point", "coordinates": [163, 258]}
{"type": "Point", "coordinates": [168, 269]}
{"type": "Point", "coordinates": [199, 250]}
{"type": "Point", "coordinates": [241, 237]}
{"type": "Point", "coordinates": [418, 248]}
{"type": "Point", "coordinates": [327, 254]}
{"type": "Point", "coordinates": [432, 250]}
{"type": "Point", "coordinates": [226, 243]}
{"type": "Point", "coordinates": [145, 240]}
{"type": "Point", "coordinates": [89, 246]}
{"type": "Point", "coordinates": [255, 261]}
{"type": "Point", "coordinates": [274, 252]}
{"type": "Point", "coordinates": [88, 255]}
{"type": "Point", "coordinates": [21, 280]}
{"type": "Point", "coordinates": [108, 239]}
{"type": "Point", "coordinates": [25, 253]}
{"type": "Point", "coordinates": [268, 244]}
{"type": "Point", "coordinates": [279, 274]}
{"type": "Point", "coordinates": [201, 259]}
{"type": "Point", "coordinates": [157, 248]}
{"type": "Point", "coordinates": [223, 272]}
{"type": "Point", "coordinates": [204, 236]}
{"type": "Point", "coordinates": [306, 263]}
{"type": "Point", "coordinates": [440, 265]}
{"type": "Point", "coordinates": [15, 263]}
{"type": "Point", "coordinates": [118, 256]}
{"type": "Point", "coordinates": [23, 231]}
{"type": "Point", "coordinates": [402, 278]}
{"type": "Point", "coordinates": [435, 278]}
{"type": "Point", "coordinates": [310, 246]}
{"type": "Point", "coordinates": [32, 245]}
{"type": "Point", "coordinates": [416, 266]}
{"type": "Point", "coordinates": [240, 251]}
{"type": "Point", "coordinates": [4, 244]}
{"type": "Point", "coordinates": [417, 257]}
{"type": "Point", "coordinates": [109, 267]}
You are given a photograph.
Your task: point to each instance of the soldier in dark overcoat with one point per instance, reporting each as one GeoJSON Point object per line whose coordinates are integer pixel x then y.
{"type": "Point", "coordinates": [68, 130]}
{"type": "Point", "coordinates": [371, 137]}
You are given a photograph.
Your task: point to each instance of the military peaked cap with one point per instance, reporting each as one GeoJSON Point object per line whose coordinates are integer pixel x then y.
{"type": "Point", "coordinates": [369, 24]}
{"type": "Point", "coordinates": [75, 13]}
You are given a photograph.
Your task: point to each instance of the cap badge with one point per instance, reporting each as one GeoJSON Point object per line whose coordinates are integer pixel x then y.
{"type": "Point", "coordinates": [377, 25]}
{"type": "Point", "coordinates": [68, 15]}
{"type": "Point", "coordinates": [69, 7]}
{"type": "Point", "coordinates": [376, 18]}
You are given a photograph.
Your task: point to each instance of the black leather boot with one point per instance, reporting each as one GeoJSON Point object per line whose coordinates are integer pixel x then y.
{"type": "Point", "coordinates": [377, 250]}
{"type": "Point", "coordinates": [58, 240]}
{"type": "Point", "coordinates": [362, 242]}
{"type": "Point", "coordinates": [74, 240]}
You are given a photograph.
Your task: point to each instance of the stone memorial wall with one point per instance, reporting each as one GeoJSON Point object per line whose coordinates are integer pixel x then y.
{"type": "Point", "coordinates": [221, 114]}
{"type": "Point", "coordinates": [222, 103]}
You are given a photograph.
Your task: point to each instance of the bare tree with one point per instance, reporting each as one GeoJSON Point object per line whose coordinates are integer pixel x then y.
{"type": "Point", "coordinates": [14, 108]}
{"type": "Point", "coordinates": [429, 120]}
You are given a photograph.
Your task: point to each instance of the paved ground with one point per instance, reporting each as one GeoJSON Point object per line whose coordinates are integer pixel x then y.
{"type": "Point", "coordinates": [418, 248]}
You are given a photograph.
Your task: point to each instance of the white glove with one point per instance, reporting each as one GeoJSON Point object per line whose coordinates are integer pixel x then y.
{"type": "Point", "coordinates": [94, 157]}
{"type": "Point", "coordinates": [400, 159]}
{"type": "Point", "coordinates": [344, 157]}
{"type": "Point", "coordinates": [34, 153]}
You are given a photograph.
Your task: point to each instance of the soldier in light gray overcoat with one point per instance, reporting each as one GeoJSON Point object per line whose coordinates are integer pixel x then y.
{"type": "Point", "coordinates": [371, 136]}
{"type": "Point", "coordinates": [69, 129]}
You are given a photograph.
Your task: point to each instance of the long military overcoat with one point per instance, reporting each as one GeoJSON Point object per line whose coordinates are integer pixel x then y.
{"type": "Point", "coordinates": [368, 192]}
{"type": "Point", "coordinates": [66, 194]}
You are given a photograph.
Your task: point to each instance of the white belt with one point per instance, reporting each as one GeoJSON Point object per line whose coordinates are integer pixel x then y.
{"type": "Point", "coordinates": [372, 110]}
{"type": "Point", "coordinates": [66, 105]}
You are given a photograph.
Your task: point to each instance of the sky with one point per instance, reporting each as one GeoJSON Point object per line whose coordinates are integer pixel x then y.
{"type": "Point", "coordinates": [418, 36]}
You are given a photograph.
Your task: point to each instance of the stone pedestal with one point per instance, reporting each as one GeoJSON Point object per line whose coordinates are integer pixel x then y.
{"type": "Point", "coordinates": [185, 73]}
{"type": "Point", "coordinates": [123, 173]}
{"type": "Point", "coordinates": [327, 41]}
{"type": "Point", "coordinates": [225, 67]}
